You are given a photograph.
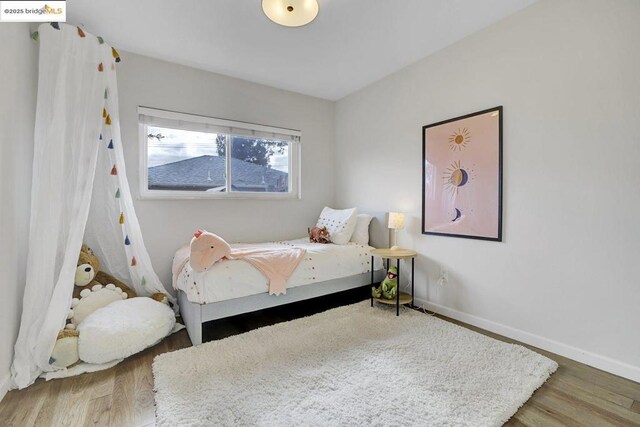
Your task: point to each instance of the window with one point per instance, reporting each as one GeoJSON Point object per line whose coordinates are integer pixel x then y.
{"type": "Point", "coordinates": [188, 156]}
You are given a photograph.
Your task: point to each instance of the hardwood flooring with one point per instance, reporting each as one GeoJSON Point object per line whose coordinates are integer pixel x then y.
{"type": "Point", "coordinates": [576, 395]}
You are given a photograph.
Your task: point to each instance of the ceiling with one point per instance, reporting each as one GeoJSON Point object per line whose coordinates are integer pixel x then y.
{"type": "Point", "coordinates": [351, 44]}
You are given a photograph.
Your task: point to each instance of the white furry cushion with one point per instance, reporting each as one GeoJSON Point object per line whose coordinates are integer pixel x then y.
{"type": "Point", "coordinates": [123, 328]}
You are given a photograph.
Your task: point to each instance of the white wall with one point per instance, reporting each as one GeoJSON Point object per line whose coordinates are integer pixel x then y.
{"type": "Point", "coordinates": [566, 276]}
{"type": "Point", "coordinates": [18, 74]}
{"type": "Point", "coordinates": [167, 225]}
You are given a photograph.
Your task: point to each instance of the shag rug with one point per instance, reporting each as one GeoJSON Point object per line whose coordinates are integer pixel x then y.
{"type": "Point", "coordinates": [354, 365]}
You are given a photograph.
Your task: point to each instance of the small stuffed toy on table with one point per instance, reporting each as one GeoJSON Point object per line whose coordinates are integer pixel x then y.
{"type": "Point", "coordinates": [388, 289]}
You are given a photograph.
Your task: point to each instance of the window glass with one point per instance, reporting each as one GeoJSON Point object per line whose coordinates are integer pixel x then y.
{"type": "Point", "coordinates": [184, 160]}
{"type": "Point", "coordinates": [195, 156]}
{"type": "Point", "coordinates": [259, 165]}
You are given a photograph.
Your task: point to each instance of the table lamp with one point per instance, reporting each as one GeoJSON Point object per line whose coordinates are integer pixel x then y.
{"type": "Point", "coordinates": [396, 222]}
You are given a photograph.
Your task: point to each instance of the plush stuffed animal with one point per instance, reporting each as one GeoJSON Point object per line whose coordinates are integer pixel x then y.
{"type": "Point", "coordinates": [88, 274]}
{"type": "Point", "coordinates": [207, 249]}
{"type": "Point", "coordinates": [93, 289]}
{"type": "Point", "coordinates": [319, 235]}
{"type": "Point", "coordinates": [389, 287]}
{"type": "Point", "coordinates": [65, 351]}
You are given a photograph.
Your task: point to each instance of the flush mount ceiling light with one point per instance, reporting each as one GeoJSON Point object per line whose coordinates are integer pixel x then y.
{"type": "Point", "coordinates": [290, 13]}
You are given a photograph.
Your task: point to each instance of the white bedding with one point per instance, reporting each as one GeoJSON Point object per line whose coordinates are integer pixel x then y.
{"type": "Point", "coordinates": [230, 279]}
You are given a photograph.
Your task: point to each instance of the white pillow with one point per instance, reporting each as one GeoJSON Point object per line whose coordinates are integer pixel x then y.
{"type": "Point", "coordinates": [123, 328]}
{"type": "Point", "coordinates": [340, 224]}
{"type": "Point", "coordinates": [361, 232]}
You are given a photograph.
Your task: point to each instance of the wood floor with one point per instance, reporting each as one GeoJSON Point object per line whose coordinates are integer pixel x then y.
{"type": "Point", "coordinates": [576, 395]}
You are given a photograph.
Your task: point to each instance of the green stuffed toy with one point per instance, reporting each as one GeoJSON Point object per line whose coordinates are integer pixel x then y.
{"type": "Point", "coordinates": [388, 289]}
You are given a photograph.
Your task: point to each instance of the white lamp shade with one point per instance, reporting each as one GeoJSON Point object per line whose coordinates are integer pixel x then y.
{"type": "Point", "coordinates": [396, 220]}
{"type": "Point", "coordinates": [290, 13]}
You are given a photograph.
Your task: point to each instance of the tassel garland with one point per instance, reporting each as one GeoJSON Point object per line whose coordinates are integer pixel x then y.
{"type": "Point", "coordinates": [117, 193]}
{"type": "Point", "coordinates": [80, 32]}
{"type": "Point", "coordinates": [133, 261]}
{"type": "Point", "coordinates": [114, 171]}
{"type": "Point", "coordinates": [101, 67]}
{"type": "Point", "coordinates": [121, 220]}
{"type": "Point", "coordinates": [107, 121]}
{"type": "Point", "coordinates": [110, 146]}
{"type": "Point", "coordinates": [127, 241]}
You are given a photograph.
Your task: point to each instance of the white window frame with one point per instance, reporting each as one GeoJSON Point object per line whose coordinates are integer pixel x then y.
{"type": "Point", "coordinates": [189, 122]}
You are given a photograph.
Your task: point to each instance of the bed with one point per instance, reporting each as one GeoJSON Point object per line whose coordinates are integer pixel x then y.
{"type": "Point", "coordinates": [233, 287]}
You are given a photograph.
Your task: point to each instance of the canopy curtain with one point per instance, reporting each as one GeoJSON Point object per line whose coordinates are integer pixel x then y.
{"type": "Point", "coordinates": [79, 182]}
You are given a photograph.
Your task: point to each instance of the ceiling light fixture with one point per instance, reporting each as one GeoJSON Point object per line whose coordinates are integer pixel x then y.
{"type": "Point", "coordinates": [291, 13]}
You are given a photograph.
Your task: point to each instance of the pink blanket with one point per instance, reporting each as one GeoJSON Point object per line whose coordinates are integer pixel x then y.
{"type": "Point", "coordinates": [276, 263]}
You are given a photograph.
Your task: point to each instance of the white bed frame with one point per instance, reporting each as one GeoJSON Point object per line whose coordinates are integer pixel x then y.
{"type": "Point", "coordinates": [194, 315]}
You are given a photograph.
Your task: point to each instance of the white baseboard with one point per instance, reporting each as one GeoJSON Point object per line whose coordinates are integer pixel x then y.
{"type": "Point", "coordinates": [592, 359]}
{"type": "Point", "coordinates": [5, 385]}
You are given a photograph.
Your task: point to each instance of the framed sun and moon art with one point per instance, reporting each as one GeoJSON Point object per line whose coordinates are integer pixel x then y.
{"type": "Point", "coordinates": [462, 176]}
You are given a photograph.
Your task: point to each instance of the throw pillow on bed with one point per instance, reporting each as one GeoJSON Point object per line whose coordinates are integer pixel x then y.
{"type": "Point", "coordinates": [339, 222]}
{"type": "Point", "coordinates": [361, 232]}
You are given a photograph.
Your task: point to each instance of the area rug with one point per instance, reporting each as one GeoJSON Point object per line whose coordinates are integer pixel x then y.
{"type": "Point", "coordinates": [354, 365]}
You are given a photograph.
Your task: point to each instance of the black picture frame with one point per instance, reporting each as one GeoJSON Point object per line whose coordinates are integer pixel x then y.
{"type": "Point", "coordinates": [499, 236]}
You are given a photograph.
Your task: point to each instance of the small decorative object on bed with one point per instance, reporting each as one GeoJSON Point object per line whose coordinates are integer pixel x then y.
{"type": "Point", "coordinates": [207, 249]}
{"type": "Point", "coordinates": [462, 176]}
{"type": "Point", "coordinates": [319, 235]}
